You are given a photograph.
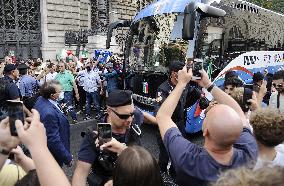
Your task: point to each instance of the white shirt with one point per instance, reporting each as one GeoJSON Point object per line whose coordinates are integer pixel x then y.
{"type": "Point", "coordinates": [80, 78]}
{"type": "Point", "coordinates": [273, 101]}
{"type": "Point", "coordinates": [278, 161]}
{"type": "Point", "coordinates": [79, 65]}
{"type": "Point", "coordinates": [91, 81]}
{"type": "Point", "coordinates": [55, 103]}
{"type": "Point", "coordinates": [50, 76]}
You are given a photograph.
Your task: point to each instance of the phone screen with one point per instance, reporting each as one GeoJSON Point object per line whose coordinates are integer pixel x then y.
{"type": "Point", "coordinates": [104, 132]}
{"type": "Point", "coordinates": [247, 96]}
{"type": "Point", "coordinates": [197, 66]}
{"type": "Point", "coordinates": [15, 112]}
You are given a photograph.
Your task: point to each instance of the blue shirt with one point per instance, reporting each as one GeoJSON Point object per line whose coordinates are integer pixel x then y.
{"type": "Point", "coordinates": [111, 78]}
{"type": "Point", "coordinates": [87, 153]}
{"type": "Point", "coordinates": [194, 165]}
{"type": "Point", "coordinates": [28, 86]}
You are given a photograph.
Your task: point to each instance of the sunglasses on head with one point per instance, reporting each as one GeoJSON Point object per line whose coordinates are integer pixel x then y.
{"type": "Point", "coordinates": [123, 116]}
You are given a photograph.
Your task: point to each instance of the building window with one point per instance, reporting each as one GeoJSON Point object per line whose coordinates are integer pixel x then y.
{"type": "Point", "coordinates": [100, 15]}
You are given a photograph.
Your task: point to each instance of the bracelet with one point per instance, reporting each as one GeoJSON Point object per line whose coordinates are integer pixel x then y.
{"type": "Point", "coordinates": [4, 151]}
{"type": "Point", "coordinates": [210, 88]}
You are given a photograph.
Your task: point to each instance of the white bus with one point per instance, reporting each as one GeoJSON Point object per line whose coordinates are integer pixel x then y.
{"type": "Point", "coordinates": [226, 34]}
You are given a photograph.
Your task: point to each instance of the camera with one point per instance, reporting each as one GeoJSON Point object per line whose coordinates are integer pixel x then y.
{"type": "Point", "coordinates": [104, 133]}
{"type": "Point", "coordinates": [203, 103]}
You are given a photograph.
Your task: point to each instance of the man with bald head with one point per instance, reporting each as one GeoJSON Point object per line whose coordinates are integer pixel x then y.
{"type": "Point", "coordinates": [228, 141]}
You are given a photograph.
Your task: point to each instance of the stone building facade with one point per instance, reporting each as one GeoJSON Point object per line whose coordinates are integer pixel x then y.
{"type": "Point", "coordinates": [53, 18]}
{"type": "Point", "coordinates": [59, 16]}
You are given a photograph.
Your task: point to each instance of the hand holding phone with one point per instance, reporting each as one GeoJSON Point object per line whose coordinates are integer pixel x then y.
{"type": "Point", "coordinates": [15, 112]}
{"type": "Point", "coordinates": [197, 66]}
{"type": "Point", "coordinates": [104, 133]}
{"type": "Point", "coordinates": [247, 96]}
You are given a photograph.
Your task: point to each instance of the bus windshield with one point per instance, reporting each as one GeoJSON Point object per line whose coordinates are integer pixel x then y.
{"type": "Point", "coordinates": [150, 45]}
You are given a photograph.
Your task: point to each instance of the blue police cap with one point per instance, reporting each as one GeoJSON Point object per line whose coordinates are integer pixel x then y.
{"type": "Point", "coordinates": [119, 98]}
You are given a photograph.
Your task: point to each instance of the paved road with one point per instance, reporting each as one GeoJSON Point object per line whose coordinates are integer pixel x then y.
{"type": "Point", "coordinates": [148, 140]}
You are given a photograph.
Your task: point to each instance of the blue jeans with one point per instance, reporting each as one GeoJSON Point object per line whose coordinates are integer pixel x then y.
{"type": "Point", "coordinates": [92, 97]}
{"type": "Point", "coordinates": [68, 99]}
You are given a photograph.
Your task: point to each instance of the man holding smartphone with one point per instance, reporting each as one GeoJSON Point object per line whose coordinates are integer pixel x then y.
{"type": "Point", "coordinates": [178, 117]}
{"type": "Point", "coordinates": [125, 121]}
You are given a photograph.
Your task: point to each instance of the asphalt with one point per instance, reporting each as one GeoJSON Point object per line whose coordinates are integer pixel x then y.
{"type": "Point", "coordinates": [148, 140]}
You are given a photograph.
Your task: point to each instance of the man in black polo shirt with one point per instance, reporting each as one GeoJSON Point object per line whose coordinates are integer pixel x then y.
{"type": "Point", "coordinates": [8, 89]}
{"type": "Point", "coordinates": [125, 122]}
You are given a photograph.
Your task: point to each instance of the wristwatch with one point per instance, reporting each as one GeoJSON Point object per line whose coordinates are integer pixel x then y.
{"type": "Point", "coordinates": [4, 151]}
{"type": "Point", "coordinates": [209, 89]}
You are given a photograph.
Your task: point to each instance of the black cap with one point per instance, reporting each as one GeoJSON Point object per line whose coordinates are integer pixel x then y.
{"type": "Point", "coordinates": [176, 66]}
{"type": "Point", "coordinates": [257, 77]}
{"type": "Point", "coordinates": [9, 68]}
{"type": "Point", "coordinates": [119, 98]}
{"type": "Point", "coordinates": [23, 66]}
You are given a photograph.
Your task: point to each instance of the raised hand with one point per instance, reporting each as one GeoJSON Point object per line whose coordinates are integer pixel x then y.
{"type": "Point", "coordinates": [204, 82]}
{"type": "Point", "coordinates": [7, 141]}
{"type": "Point", "coordinates": [184, 76]}
{"type": "Point", "coordinates": [34, 136]}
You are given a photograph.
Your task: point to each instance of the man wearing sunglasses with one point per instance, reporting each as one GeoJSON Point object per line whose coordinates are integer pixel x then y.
{"type": "Point", "coordinates": [277, 98]}
{"type": "Point", "coordinates": [125, 122]}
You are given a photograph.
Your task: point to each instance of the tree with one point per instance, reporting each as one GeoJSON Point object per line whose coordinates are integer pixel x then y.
{"type": "Point", "coordinates": [275, 5]}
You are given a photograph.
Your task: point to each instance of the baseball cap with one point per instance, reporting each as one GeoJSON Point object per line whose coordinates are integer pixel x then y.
{"type": "Point", "coordinates": [9, 67]}
{"type": "Point", "coordinates": [119, 98]}
{"type": "Point", "coordinates": [23, 66]}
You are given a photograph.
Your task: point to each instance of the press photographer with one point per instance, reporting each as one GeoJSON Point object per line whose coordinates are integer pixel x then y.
{"type": "Point", "coordinates": [124, 121]}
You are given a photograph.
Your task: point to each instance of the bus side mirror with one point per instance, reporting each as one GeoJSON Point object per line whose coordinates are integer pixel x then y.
{"type": "Point", "coordinates": [190, 15]}
{"type": "Point", "coordinates": [112, 26]}
{"type": "Point", "coordinates": [189, 21]}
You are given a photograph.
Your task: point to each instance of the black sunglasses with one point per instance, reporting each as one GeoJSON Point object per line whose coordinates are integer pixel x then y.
{"type": "Point", "coordinates": [278, 85]}
{"type": "Point", "coordinates": [123, 116]}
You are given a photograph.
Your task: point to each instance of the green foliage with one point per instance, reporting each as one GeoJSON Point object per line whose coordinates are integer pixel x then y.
{"type": "Point", "coordinates": [275, 5]}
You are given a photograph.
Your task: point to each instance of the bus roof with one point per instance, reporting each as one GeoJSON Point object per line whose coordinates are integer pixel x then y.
{"type": "Point", "coordinates": [162, 7]}
{"type": "Point", "coordinates": [177, 6]}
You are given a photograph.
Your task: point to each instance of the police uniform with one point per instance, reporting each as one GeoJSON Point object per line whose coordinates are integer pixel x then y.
{"type": "Point", "coordinates": [8, 90]}
{"type": "Point", "coordinates": [103, 162]}
{"type": "Point", "coordinates": [178, 116]}
{"type": "Point", "coordinates": [28, 86]}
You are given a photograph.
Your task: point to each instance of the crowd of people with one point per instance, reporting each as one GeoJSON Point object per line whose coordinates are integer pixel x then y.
{"type": "Point", "coordinates": [242, 127]}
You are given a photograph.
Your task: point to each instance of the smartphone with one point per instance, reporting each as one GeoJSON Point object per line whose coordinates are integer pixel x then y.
{"type": "Point", "coordinates": [15, 112]}
{"type": "Point", "coordinates": [197, 66]}
{"type": "Point", "coordinates": [256, 88]}
{"type": "Point", "coordinates": [104, 132]}
{"type": "Point", "coordinates": [247, 96]}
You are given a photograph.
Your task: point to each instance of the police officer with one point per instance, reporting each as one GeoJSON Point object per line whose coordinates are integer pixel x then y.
{"type": "Point", "coordinates": [28, 86]}
{"type": "Point", "coordinates": [125, 122]}
{"type": "Point", "coordinates": [189, 96]}
{"type": "Point", "coordinates": [9, 89]}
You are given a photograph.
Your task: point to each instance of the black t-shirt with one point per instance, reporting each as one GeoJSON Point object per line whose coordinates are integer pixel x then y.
{"type": "Point", "coordinates": [8, 91]}
{"type": "Point", "coordinates": [87, 153]}
{"type": "Point", "coordinates": [189, 96]}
